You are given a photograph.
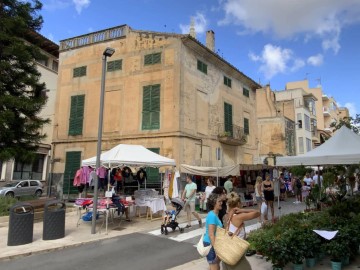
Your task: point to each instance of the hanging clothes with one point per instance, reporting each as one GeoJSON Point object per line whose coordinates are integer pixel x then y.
{"type": "Point", "coordinates": [166, 184]}
{"type": "Point", "coordinates": [77, 178]}
{"type": "Point", "coordinates": [175, 192]}
{"type": "Point", "coordinates": [93, 178]}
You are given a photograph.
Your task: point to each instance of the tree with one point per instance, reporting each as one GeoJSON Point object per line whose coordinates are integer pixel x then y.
{"type": "Point", "coordinates": [350, 122]}
{"type": "Point", "coordinates": [21, 93]}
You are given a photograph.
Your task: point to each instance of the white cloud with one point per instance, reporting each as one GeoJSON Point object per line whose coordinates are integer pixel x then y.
{"type": "Point", "coordinates": [352, 108]}
{"type": "Point", "coordinates": [81, 4]}
{"type": "Point", "coordinates": [322, 19]}
{"type": "Point", "coordinates": [275, 60]}
{"type": "Point", "coordinates": [56, 4]}
{"type": "Point", "coordinates": [51, 37]}
{"type": "Point", "coordinates": [316, 60]}
{"type": "Point", "coordinates": [201, 24]}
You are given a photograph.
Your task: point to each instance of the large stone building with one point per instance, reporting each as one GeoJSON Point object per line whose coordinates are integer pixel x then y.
{"type": "Point", "coordinates": [48, 68]}
{"type": "Point", "coordinates": [167, 92]}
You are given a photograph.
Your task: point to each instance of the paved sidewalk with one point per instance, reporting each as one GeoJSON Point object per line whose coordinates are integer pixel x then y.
{"type": "Point", "coordinates": [75, 236]}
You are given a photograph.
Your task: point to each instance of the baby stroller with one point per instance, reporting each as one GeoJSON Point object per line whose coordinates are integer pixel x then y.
{"type": "Point", "coordinates": [171, 222]}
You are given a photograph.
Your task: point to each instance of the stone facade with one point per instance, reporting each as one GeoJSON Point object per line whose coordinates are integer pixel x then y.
{"type": "Point", "coordinates": [192, 98]}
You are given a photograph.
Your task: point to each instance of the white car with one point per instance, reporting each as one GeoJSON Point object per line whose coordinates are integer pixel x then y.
{"type": "Point", "coordinates": [22, 188]}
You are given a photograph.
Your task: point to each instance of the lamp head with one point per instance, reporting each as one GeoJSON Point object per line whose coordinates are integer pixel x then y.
{"type": "Point", "coordinates": [109, 52]}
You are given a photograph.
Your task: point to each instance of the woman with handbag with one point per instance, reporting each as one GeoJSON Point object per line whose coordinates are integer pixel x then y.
{"type": "Point", "coordinates": [235, 219]}
{"type": "Point", "coordinates": [214, 204]}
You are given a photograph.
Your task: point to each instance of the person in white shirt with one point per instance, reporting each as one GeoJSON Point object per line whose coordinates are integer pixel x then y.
{"type": "Point", "coordinates": [209, 188]}
{"type": "Point", "coordinates": [308, 180]}
{"type": "Point", "coordinates": [316, 178]}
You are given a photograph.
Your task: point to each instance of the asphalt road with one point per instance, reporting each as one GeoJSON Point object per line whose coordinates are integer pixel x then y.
{"type": "Point", "coordinates": [129, 252]}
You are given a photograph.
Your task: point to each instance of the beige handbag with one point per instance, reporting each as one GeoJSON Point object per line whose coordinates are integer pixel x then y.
{"type": "Point", "coordinates": [228, 246]}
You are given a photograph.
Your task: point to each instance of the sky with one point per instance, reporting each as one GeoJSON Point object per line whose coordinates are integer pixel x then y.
{"type": "Point", "coordinates": [271, 41]}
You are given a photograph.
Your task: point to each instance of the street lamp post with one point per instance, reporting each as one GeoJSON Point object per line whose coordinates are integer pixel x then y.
{"type": "Point", "coordinates": [107, 53]}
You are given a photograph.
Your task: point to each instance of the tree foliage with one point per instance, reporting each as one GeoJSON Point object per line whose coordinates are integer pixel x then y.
{"type": "Point", "coordinates": [349, 122]}
{"type": "Point", "coordinates": [21, 92]}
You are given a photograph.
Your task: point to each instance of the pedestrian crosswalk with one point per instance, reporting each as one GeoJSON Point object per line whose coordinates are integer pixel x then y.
{"type": "Point", "coordinates": [193, 232]}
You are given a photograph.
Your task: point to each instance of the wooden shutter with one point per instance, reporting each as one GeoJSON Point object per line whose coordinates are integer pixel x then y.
{"type": "Point", "coordinates": [156, 58]}
{"type": "Point", "coordinates": [72, 164]}
{"type": "Point", "coordinates": [228, 118]}
{"type": "Point", "coordinates": [151, 107]}
{"type": "Point", "coordinates": [146, 120]}
{"type": "Point", "coordinates": [246, 126]}
{"type": "Point", "coordinates": [155, 107]}
{"type": "Point", "coordinates": [76, 115]}
{"type": "Point", "coordinates": [153, 179]}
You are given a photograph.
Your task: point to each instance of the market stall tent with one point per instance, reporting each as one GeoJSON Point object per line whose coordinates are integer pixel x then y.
{"type": "Point", "coordinates": [130, 155]}
{"type": "Point", "coordinates": [342, 148]}
{"type": "Point", "coordinates": [211, 171]}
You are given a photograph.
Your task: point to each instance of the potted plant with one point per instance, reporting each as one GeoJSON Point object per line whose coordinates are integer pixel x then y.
{"type": "Point", "coordinates": [337, 248]}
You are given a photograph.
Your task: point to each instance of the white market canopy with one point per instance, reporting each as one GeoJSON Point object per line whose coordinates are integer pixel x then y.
{"type": "Point", "coordinates": [211, 171]}
{"type": "Point", "coordinates": [130, 155]}
{"type": "Point", "coordinates": [342, 148]}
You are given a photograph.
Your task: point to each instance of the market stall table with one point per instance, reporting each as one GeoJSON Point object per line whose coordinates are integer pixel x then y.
{"type": "Point", "coordinates": [153, 205]}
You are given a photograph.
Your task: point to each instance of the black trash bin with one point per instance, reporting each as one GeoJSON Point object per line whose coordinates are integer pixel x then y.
{"type": "Point", "coordinates": [21, 224]}
{"type": "Point", "coordinates": [54, 220]}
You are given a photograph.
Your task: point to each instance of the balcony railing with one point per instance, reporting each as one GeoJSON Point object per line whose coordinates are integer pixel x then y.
{"type": "Point", "coordinates": [232, 134]}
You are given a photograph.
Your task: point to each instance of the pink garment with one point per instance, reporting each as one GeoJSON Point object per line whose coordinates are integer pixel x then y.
{"type": "Point", "coordinates": [101, 172]}
{"type": "Point", "coordinates": [85, 176]}
{"type": "Point", "coordinates": [77, 181]}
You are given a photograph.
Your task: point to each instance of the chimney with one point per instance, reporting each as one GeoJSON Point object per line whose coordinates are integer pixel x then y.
{"type": "Point", "coordinates": [210, 40]}
{"type": "Point", "coordinates": [192, 28]}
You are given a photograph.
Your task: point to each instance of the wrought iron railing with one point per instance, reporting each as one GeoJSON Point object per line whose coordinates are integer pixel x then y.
{"type": "Point", "coordinates": [231, 131]}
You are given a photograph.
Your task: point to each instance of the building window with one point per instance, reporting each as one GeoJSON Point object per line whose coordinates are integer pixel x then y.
{"type": "Point", "coordinates": [151, 59]}
{"type": "Point", "coordinates": [72, 164]}
{"type": "Point", "coordinates": [299, 120]}
{"type": "Point", "coordinates": [114, 65]}
{"type": "Point", "coordinates": [228, 125]}
{"type": "Point", "coordinates": [79, 71]}
{"type": "Point", "coordinates": [307, 122]}
{"type": "Point", "coordinates": [301, 145]}
{"type": "Point", "coordinates": [55, 65]}
{"type": "Point", "coordinates": [308, 145]}
{"type": "Point", "coordinates": [246, 126]}
{"type": "Point", "coordinates": [202, 66]}
{"type": "Point", "coordinates": [151, 107]}
{"type": "Point", "coordinates": [76, 115]}
{"type": "Point", "coordinates": [26, 171]}
{"type": "Point", "coordinates": [246, 92]}
{"type": "Point", "coordinates": [227, 81]}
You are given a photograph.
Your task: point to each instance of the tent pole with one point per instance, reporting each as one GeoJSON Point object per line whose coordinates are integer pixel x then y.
{"type": "Point", "coordinates": [217, 176]}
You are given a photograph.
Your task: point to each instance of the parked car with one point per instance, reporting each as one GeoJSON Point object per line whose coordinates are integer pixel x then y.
{"type": "Point", "coordinates": [22, 188]}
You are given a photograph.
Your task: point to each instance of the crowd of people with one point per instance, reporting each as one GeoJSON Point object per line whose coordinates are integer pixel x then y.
{"type": "Point", "coordinates": [224, 206]}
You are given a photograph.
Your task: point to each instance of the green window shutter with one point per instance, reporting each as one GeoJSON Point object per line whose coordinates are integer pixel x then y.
{"type": "Point", "coordinates": [201, 66]}
{"type": "Point", "coordinates": [153, 179]}
{"type": "Point", "coordinates": [151, 107]}
{"type": "Point", "coordinates": [156, 58]}
{"type": "Point", "coordinates": [227, 81]}
{"type": "Point", "coordinates": [151, 59]}
{"type": "Point", "coordinates": [246, 92]}
{"type": "Point", "coordinates": [114, 65]}
{"type": "Point", "coordinates": [72, 164]}
{"type": "Point", "coordinates": [79, 71]}
{"type": "Point", "coordinates": [76, 115]}
{"type": "Point", "coordinates": [228, 125]}
{"type": "Point", "coordinates": [146, 118]}
{"type": "Point", "coordinates": [246, 126]}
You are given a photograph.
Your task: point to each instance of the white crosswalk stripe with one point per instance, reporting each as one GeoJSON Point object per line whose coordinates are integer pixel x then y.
{"type": "Point", "coordinates": [180, 237]}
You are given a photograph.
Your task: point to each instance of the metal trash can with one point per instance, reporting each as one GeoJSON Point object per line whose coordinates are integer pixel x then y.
{"type": "Point", "coordinates": [21, 224]}
{"type": "Point", "coordinates": [54, 220]}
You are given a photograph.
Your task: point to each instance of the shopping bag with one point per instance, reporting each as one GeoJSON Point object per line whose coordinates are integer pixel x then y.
{"type": "Point", "coordinates": [229, 247]}
{"type": "Point", "coordinates": [203, 251]}
{"type": "Point", "coordinates": [263, 208]}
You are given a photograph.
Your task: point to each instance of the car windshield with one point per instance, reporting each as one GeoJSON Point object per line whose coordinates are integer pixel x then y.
{"type": "Point", "coordinates": [12, 184]}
